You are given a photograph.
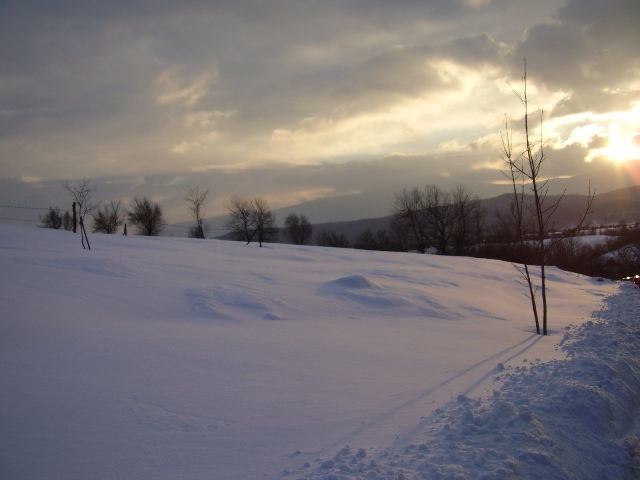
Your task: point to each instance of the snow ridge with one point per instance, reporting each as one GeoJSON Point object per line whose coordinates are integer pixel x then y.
{"type": "Point", "coordinates": [571, 418]}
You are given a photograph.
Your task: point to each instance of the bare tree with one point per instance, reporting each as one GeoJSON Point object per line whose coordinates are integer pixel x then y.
{"type": "Point", "coordinates": [524, 172]}
{"type": "Point", "coordinates": [109, 217]}
{"type": "Point", "coordinates": [195, 198]}
{"type": "Point", "coordinates": [439, 217]}
{"type": "Point", "coordinates": [263, 221]}
{"type": "Point", "coordinates": [332, 239]}
{"type": "Point", "coordinates": [468, 217]}
{"type": "Point", "coordinates": [147, 216]}
{"type": "Point", "coordinates": [298, 229]}
{"type": "Point", "coordinates": [239, 220]}
{"type": "Point", "coordinates": [401, 234]}
{"type": "Point", "coordinates": [448, 221]}
{"type": "Point", "coordinates": [380, 240]}
{"type": "Point", "coordinates": [251, 218]}
{"type": "Point", "coordinates": [408, 209]}
{"type": "Point", "coordinates": [82, 193]}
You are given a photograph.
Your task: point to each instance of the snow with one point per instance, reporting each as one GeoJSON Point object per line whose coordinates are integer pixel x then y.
{"type": "Point", "coordinates": [180, 358]}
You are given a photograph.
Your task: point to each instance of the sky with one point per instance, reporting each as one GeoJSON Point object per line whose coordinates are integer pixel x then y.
{"type": "Point", "coordinates": [302, 100]}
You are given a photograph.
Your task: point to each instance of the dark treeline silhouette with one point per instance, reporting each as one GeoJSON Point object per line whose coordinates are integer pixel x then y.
{"type": "Point", "coordinates": [427, 220]}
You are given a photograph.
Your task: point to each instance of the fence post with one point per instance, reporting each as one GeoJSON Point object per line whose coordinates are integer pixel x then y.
{"type": "Point", "coordinates": [75, 219]}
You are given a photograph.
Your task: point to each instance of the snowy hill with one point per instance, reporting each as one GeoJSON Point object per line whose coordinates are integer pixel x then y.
{"type": "Point", "coordinates": [174, 358]}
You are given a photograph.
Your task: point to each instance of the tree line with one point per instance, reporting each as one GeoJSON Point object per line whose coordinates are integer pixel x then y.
{"type": "Point", "coordinates": [248, 219]}
{"type": "Point", "coordinates": [424, 219]}
{"type": "Point", "coordinates": [144, 214]}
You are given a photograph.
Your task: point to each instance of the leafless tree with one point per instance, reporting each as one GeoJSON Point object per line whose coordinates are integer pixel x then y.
{"type": "Point", "coordinates": [401, 234]}
{"type": "Point", "coordinates": [147, 216]}
{"type": "Point", "coordinates": [251, 218]}
{"type": "Point", "coordinates": [109, 217]}
{"type": "Point", "coordinates": [332, 239]}
{"type": "Point", "coordinates": [448, 221]}
{"type": "Point", "coordinates": [380, 240]}
{"type": "Point", "coordinates": [468, 218]}
{"type": "Point", "coordinates": [82, 193]}
{"type": "Point", "coordinates": [195, 198]}
{"type": "Point", "coordinates": [439, 212]}
{"type": "Point", "coordinates": [298, 229]}
{"type": "Point", "coordinates": [525, 172]}
{"type": "Point", "coordinates": [409, 212]}
{"type": "Point", "coordinates": [263, 221]}
{"type": "Point", "coordinates": [239, 220]}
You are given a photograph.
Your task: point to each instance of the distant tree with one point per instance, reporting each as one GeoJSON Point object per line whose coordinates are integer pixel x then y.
{"type": "Point", "coordinates": [52, 219]}
{"type": "Point", "coordinates": [448, 221]}
{"type": "Point", "coordinates": [195, 198]}
{"type": "Point", "coordinates": [626, 260]}
{"type": "Point", "coordinates": [366, 241]}
{"type": "Point", "coordinates": [331, 239]}
{"type": "Point", "coordinates": [468, 219]}
{"type": "Point", "coordinates": [380, 240]}
{"type": "Point", "coordinates": [438, 211]}
{"type": "Point", "coordinates": [298, 229]}
{"type": "Point", "coordinates": [82, 193]}
{"type": "Point", "coordinates": [401, 234]}
{"type": "Point", "coordinates": [239, 218]}
{"type": "Point", "coordinates": [147, 216]}
{"type": "Point", "coordinates": [251, 218]}
{"type": "Point", "coordinates": [409, 215]}
{"type": "Point", "coordinates": [263, 221]}
{"type": "Point", "coordinates": [109, 217]}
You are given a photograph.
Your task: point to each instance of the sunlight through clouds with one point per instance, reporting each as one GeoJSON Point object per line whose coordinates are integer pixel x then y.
{"type": "Point", "coordinates": [610, 135]}
{"type": "Point", "coordinates": [245, 88]}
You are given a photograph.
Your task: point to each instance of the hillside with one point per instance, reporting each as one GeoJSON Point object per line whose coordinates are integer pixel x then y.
{"type": "Point", "coordinates": [610, 207]}
{"type": "Point", "coordinates": [174, 358]}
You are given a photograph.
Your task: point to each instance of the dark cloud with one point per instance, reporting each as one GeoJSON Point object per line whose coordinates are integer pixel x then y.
{"type": "Point", "coordinates": [591, 50]}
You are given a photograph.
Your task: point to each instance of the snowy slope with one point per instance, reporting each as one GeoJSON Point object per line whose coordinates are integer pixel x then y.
{"type": "Point", "coordinates": [179, 358]}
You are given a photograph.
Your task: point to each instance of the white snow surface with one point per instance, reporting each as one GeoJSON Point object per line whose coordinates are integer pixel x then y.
{"type": "Point", "coordinates": [200, 359]}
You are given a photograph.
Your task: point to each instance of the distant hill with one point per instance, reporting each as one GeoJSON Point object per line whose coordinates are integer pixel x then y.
{"type": "Point", "coordinates": [611, 207]}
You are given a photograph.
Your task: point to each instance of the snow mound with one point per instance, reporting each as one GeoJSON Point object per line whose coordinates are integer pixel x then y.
{"type": "Point", "coordinates": [361, 290]}
{"type": "Point", "coordinates": [357, 282]}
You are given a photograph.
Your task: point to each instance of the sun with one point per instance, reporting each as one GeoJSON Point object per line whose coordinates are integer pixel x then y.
{"type": "Point", "coordinates": [623, 149]}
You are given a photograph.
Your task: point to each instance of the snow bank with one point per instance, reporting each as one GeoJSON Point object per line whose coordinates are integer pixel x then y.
{"type": "Point", "coordinates": [572, 418]}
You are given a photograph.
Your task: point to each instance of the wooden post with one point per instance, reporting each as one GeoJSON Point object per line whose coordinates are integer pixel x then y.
{"type": "Point", "coordinates": [75, 219]}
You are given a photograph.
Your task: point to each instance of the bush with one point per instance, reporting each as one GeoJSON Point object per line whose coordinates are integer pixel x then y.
{"type": "Point", "coordinates": [147, 216]}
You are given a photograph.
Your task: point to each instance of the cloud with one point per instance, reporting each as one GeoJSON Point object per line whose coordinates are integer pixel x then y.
{"type": "Point", "coordinates": [180, 89]}
{"type": "Point", "coordinates": [590, 51]}
{"type": "Point", "coordinates": [253, 92]}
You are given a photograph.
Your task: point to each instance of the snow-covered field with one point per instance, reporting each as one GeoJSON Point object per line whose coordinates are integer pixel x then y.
{"type": "Point", "coordinates": [176, 358]}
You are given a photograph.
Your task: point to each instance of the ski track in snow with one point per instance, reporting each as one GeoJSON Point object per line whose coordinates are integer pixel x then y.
{"type": "Point", "coordinates": [574, 418]}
